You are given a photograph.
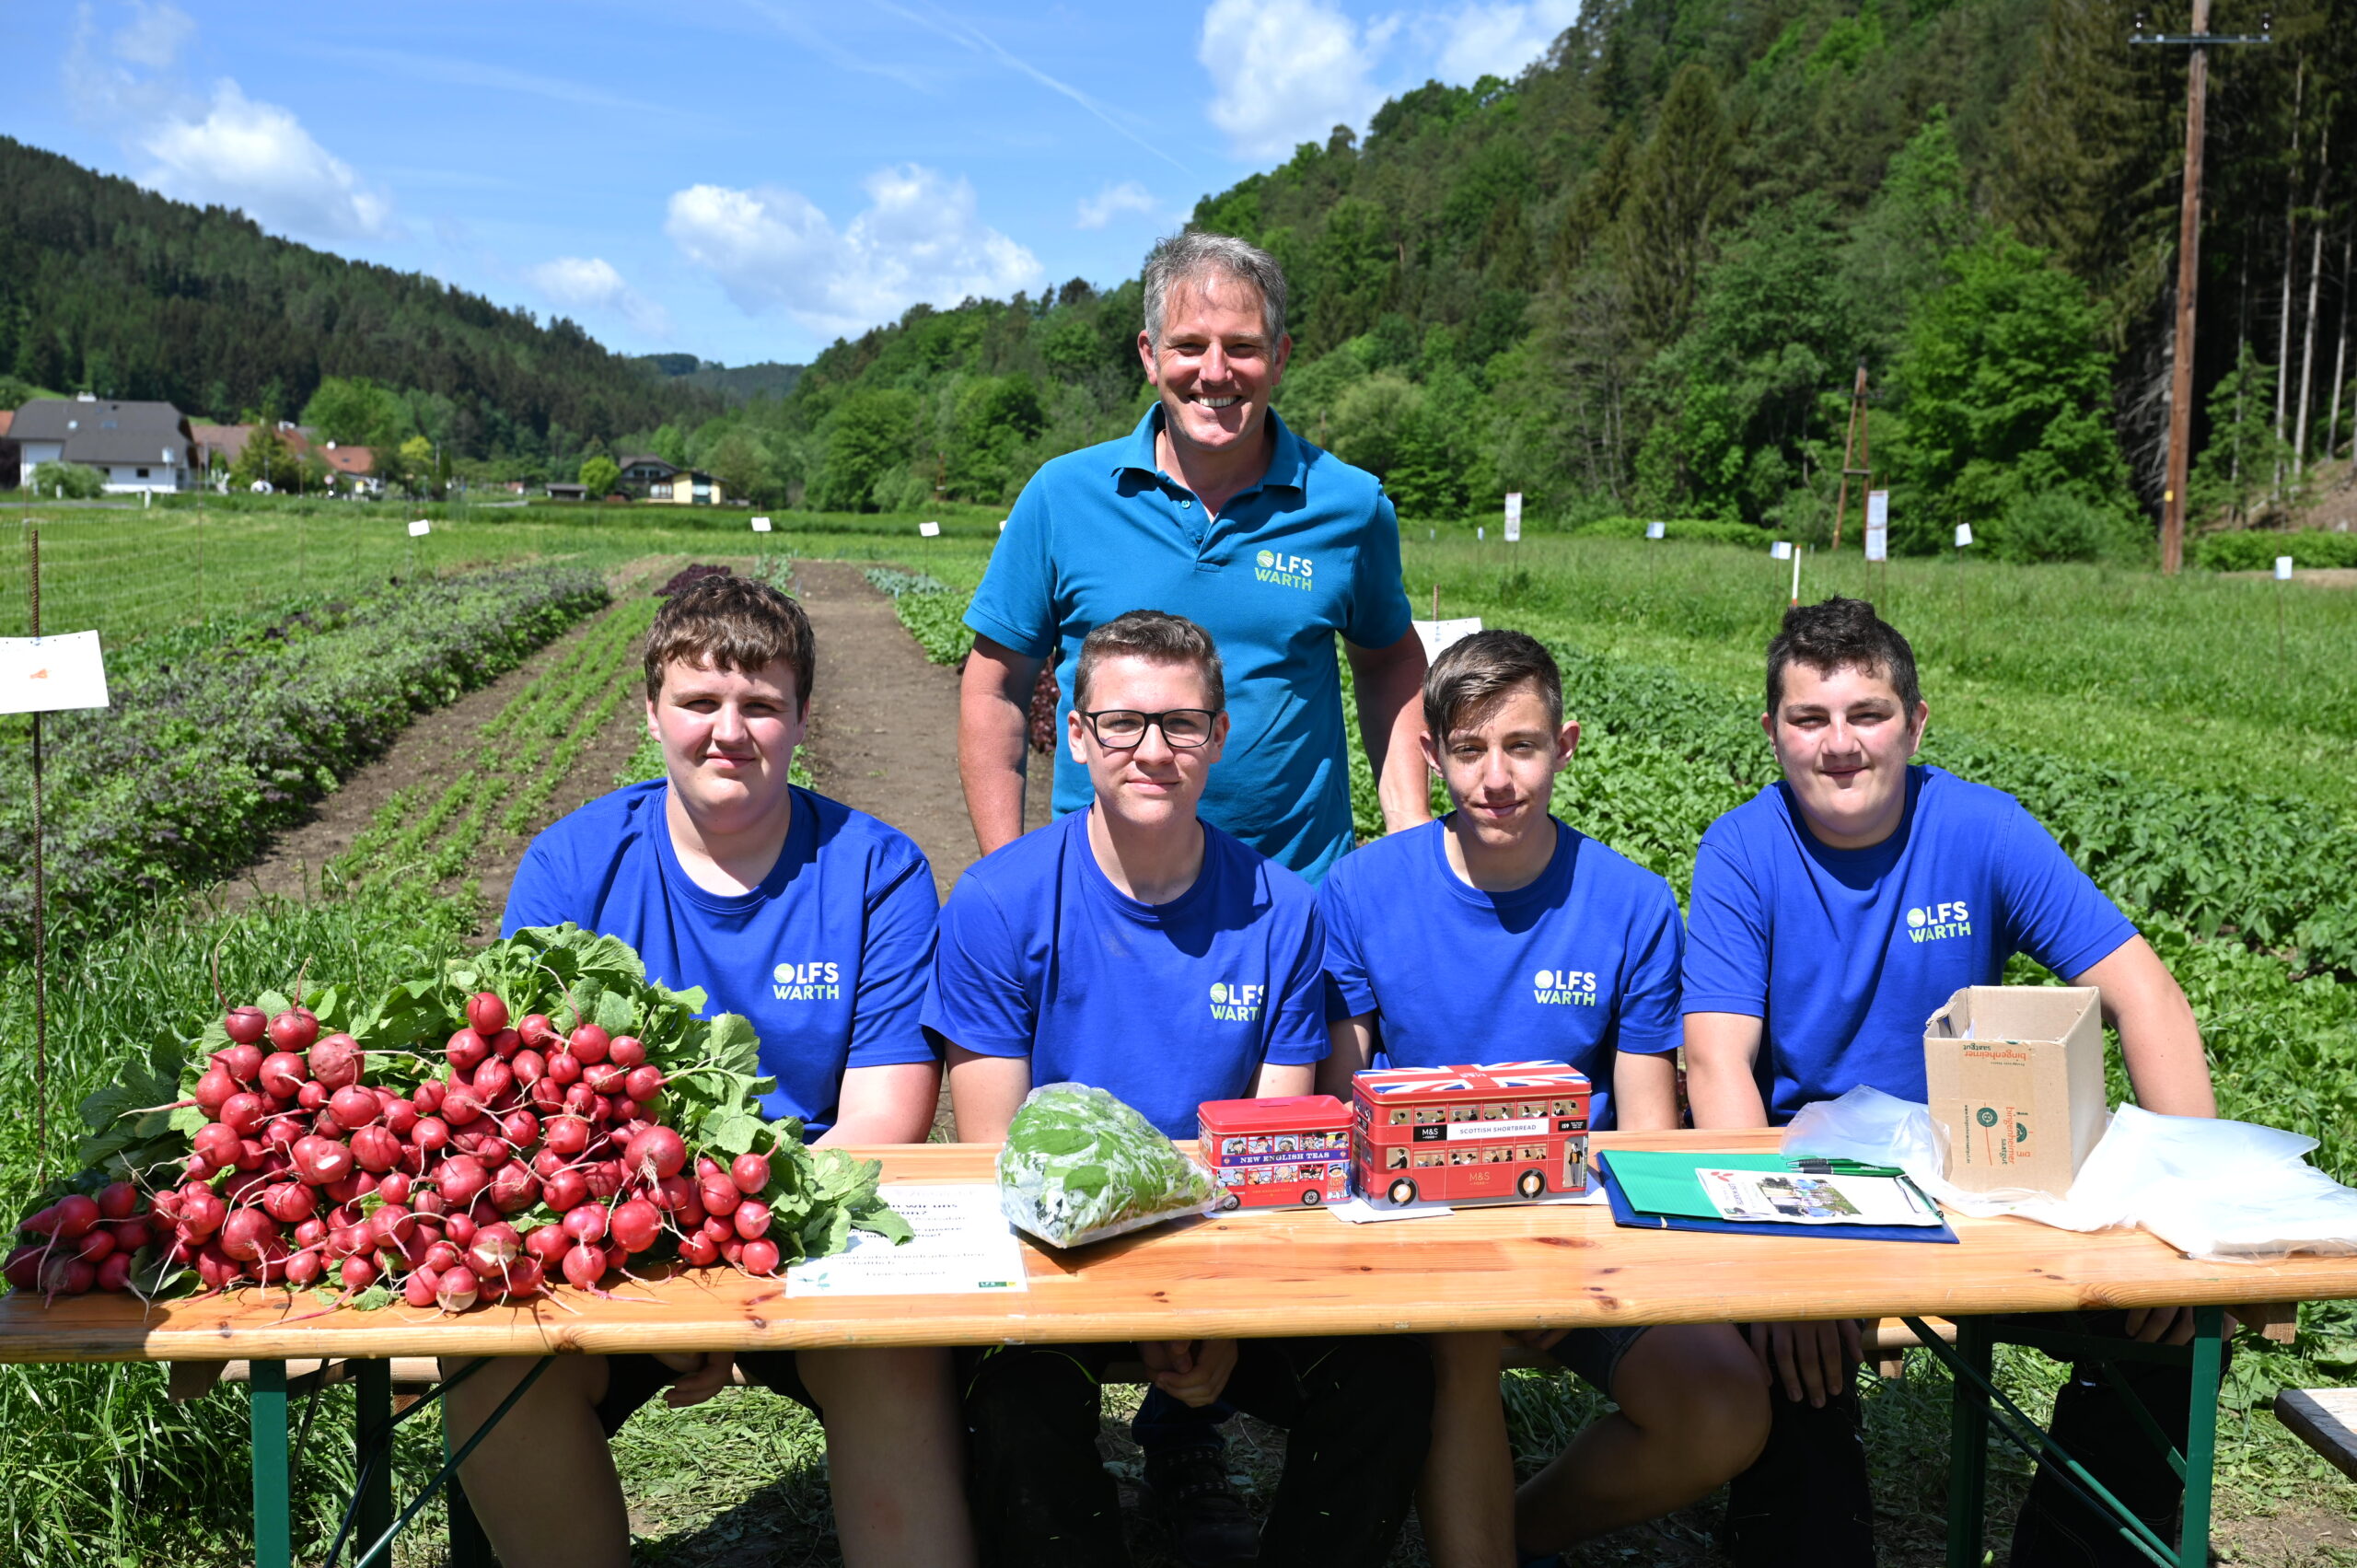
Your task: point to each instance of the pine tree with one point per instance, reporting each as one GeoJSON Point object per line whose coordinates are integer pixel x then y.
{"type": "Point", "coordinates": [1677, 193]}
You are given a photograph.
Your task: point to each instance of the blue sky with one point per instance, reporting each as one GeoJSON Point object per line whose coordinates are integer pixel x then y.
{"type": "Point", "coordinates": [741, 180]}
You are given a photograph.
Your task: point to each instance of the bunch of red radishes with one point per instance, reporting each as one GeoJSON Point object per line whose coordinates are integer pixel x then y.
{"type": "Point", "coordinates": [536, 1153]}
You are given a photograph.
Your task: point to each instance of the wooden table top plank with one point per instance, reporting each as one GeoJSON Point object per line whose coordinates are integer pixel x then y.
{"type": "Point", "coordinates": [1242, 1274]}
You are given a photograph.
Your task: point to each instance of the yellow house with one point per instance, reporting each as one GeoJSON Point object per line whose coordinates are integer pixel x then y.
{"type": "Point", "coordinates": [656, 480]}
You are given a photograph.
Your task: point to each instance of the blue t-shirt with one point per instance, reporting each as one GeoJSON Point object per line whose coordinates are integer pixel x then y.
{"type": "Point", "coordinates": [1162, 1006]}
{"type": "Point", "coordinates": [1845, 954]}
{"type": "Point", "coordinates": [827, 956]}
{"type": "Point", "coordinates": [1580, 964]}
{"type": "Point", "coordinates": [1311, 551]}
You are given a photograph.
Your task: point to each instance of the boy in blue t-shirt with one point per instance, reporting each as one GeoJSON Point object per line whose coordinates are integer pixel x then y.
{"type": "Point", "coordinates": [816, 921]}
{"type": "Point", "coordinates": [1501, 921]}
{"type": "Point", "coordinates": [1832, 915]}
{"type": "Point", "coordinates": [1130, 946]}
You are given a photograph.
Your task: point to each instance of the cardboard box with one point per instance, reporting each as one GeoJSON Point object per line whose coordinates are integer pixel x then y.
{"type": "Point", "coordinates": [2015, 1075]}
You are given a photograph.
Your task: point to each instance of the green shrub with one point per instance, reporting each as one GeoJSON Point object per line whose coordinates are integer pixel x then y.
{"type": "Point", "coordinates": [2055, 525]}
{"type": "Point", "coordinates": [1706, 530]}
{"type": "Point", "coordinates": [2256, 550]}
{"type": "Point", "coordinates": [70, 482]}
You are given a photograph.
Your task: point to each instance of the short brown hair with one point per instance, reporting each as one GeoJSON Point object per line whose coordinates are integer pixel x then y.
{"type": "Point", "coordinates": [1158, 638]}
{"type": "Point", "coordinates": [1842, 633]}
{"type": "Point", "coordinates": [732, 623]}
{"type": "Point", "coordinates": [1475, 673]}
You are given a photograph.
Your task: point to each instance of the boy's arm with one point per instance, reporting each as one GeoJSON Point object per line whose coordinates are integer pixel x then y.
{"type": "Point", "coordinates": [1720, 1048]}
{"type": "Point", "coordinates": [2159, 1039]}
{"type": "Point", "coordinates": [985, 1092]}
{"type": "Point", "coordinates": [892, 1104]}
{"type": "Point", "coordinates": [1350, 1050]}
{"type": "Point", "coordinates": [1277, 1079]}
{"type": "Point", "coordinates": [1644, 1090]}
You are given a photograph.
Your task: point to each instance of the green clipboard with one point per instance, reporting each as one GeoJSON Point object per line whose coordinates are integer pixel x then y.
{"type": "Point", "coordinates": [1661, 1182]}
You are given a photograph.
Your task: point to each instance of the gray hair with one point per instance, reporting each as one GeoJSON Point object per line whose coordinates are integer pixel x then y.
{"type": "Point", "coordinates": [1184, 257]}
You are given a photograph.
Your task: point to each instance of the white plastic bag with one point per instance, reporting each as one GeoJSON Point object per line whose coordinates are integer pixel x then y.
{"type": "Point", "coordinates": [1080, 1166]}
{"type": "Point", "coordinates": [2222, 1192]}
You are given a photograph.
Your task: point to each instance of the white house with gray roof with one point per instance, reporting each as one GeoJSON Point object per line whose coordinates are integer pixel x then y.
{"type": "Point", "coordinates": [133, 446]}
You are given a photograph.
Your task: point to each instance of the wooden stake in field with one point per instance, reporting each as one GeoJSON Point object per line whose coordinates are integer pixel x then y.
{"type": "Point", "coordinates": [41, 913]}
{"type": "Point", "coordinates": [2282, 575]}
{"type": "Point", "coordinates": [1855, 459]}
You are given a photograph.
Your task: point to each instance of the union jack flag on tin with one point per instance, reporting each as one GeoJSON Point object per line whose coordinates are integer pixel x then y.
{"type": "Point", "coordinates": [1489, 1079]}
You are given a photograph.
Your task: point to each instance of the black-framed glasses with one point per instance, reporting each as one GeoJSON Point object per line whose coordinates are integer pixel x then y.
{"type": "Point", "coordinates": [1118, 729]}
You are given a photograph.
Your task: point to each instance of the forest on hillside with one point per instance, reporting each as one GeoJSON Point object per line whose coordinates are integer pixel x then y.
{"type": "Point", "coordinates": [1638, 279]}
{"type": "Point", "coordinates": [108, 288]}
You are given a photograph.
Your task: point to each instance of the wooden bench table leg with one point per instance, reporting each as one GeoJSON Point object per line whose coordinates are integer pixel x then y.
{"type": "Point", "coordinates": [273, 1524]}
{"type": "Point", "coordinates": [1969, 1447]}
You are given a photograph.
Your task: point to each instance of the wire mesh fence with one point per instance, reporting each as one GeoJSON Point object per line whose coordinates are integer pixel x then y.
{"type": "Point", "coordinates": [127, 574]}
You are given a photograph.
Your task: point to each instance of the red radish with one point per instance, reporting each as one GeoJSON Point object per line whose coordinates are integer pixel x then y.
{"type": "Point", "coordinates": [493, 1248]}
{"type": "Point", "coordinates": [303, 1269]}
{"type": "Point", "coordinates": [376, 1149]}
{"type": "Point", "coordinates": [94, 1246]}
{"type": "Point", "coordinates": [636, 1224]}
{"type": "Point", "coordinates": [507, 1043]}
{"type": "Point", "coordinates": [627, 1051]}
{"type": "Point", "coordinates": [67, 1276]}
{"type": "Point", "coordinates": [246, 1026]}
{"type": "Point", "coordinates": [22, 1271]}
{"type": "Point", "coordinates": [492, 1079]}
{"type": "Point", "coordinates": [312, 1096]}
{"type": "Point", "coordinates": [582, 1100]}
{"type": "Point", "coordinates": [514, 1188]}
{"type": "Point", "coordinates": [243, 1061]}
{"type": "Point", "coordinates": [759, 1257]}
{"type": "Point", "coordinates": [629, 1113]}
{"type": "Point", "coordinates": [312, 1232]}
{"type": "Point", "coordinates": [353, 1107]}
{"type": "Point", "coordinates": [718, 1194]}
{"type": "Point", "coordinates": [589, 1044]}
{"type": "Point", "coordinates": [461, 1179]}
{"type": "Point", "coordinates": [322, 1162]}
{"type": "Point", "coordinates": [529, 1068]}
{"type": "Point", "coordinates": [538, 1031]}
{"type": "Point", "coordinates": [358, 1271]}
{"type": "Point", "coordinates": [460, 1229]}
{"type": "Point", "coordinates": [76, 1212]}
{"type": "Point", "coordinates": [215, 1269]}
{"type": "Point", "coordinates": [604, 1179]}
{"type": "Point", "coordinates": [419, 1289]}
{"type": "Point", "coordinates": [659, 1148]}
{"type": "Point", "coordinates": [431, 1134]}
{"type": "Point", "coordinates": [732, 1250]}
{"type": "Point", "coordinates": [281, 1073]}
{"type": "Point", "coordinates": [460, 1106]}
{"type": "Point", "coordinates": [427, 1096]}
{"type": "Point", "coordinates": [393, 1186]}
{"type": "Point", "coordinates": [165, 1205]}
{"type": "Point", "coordinates": [118, 1200]}
{"type": "Point", "coordinates": [707, 1165]}
{"type": "Point", "coordinates": [584, 1222]}
{"type": "Point", "coordinates": [250, 1154]}
{"type": "Point", "coordinates": [202, 1213]}
{"type": "Point", "coordinates": [750, 1173]}
{"type": "Point", "coordinates": [218, 1145]}
{"type": "Point", "coordinates": [565, 1190]}
{"type": "Point", "coordinates": [673, 1193]}
{"type": "Point", "coordinates": [604, 1078]}
{"type": "Point", "coordinates": [335, 1062]}
{"type": "Point", "coordinates": [441, 1255]}
{"type": "Point", "coordinates": [564, 1069]}
{"type": "Point", "coordinates": [245, 1234]}
{"type": "Point", "coordinates": [524, 1278]}
{"type": "Point", "coordinates": [389, 1224]}
{"type": "Point", "coordinates": [718, 1228]}
{"type": "Point", "coordinates": [751, 1218]}
{"type": "Point", "coordinates": [467, 1051]}
{"type": "Point", "coordinates": [698, 1252]}
{"type": "Point", "coordinates": [348, 1189]}
{"type": "Point", "coordinates": [486, 1013]}
{"type": "Point", "coordinates": [242, 1113]}
{"type": "Point", "coordinates": [521, 1128]}
{"type": "Point", "coordinates": [281, 1132]}
{"type": "Point", "coordinates": [584, 1266]}
{"type": "Point", "coordinates": [548, 1244]}
{"type": "Point", "coordinates": [214, 1089]}
{"type": "Point", "coordinates": [290, 1201]}
{"type": "Point", "coordinates": [568, 1135]}
{"type": "Point", "coordinates": [293, 1029]}
{"type": "Point", "coordinates": [643, 1083]}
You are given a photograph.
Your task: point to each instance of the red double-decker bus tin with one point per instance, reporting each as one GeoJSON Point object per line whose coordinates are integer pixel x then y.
{"type": "Point", "coordinates": [1442, 1134]}
{"type": "Point", "coordinates": [1269, 1153]}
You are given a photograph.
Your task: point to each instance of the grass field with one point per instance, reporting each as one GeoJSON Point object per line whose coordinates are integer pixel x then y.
{"type": "Point", "coordinates": [2056, 674]}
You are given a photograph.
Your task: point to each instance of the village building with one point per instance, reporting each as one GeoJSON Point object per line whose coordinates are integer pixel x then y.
{"type": "Point", "coordinates": [134, 445]}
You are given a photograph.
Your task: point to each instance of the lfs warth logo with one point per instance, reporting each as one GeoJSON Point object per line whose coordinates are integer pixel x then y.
{"type": "Point", "coordinates": [1234, 1004]}
{"type": "Point", "coordinates": [1564, 988]}
{"type": "Point", "coordinates": [816, 982]}
{"type": "Point", "coordinates": [1289, 571]}
{"type": "Point", "coordinates": [1931, 923]}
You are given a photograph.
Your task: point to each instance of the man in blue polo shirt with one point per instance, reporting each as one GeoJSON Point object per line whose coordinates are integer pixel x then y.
{"type": "Point", "coordinates": [1134, 947]}
{"type": "Point", "coordinates": [1501, 921]}
{"type": "Point", "coordinates": [1214, 510]}
{"type": "Point", "coordinates": [816, 921]}
{"type": "Point", "coordinates": [1832, 915]}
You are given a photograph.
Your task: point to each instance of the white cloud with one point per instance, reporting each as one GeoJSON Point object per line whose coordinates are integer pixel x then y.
{"type": "Point", "coordinates": [1480, 41]}
{"type": "Point", "coordinates": [1285, 72]}
{"type": "Point", "coordinates": [921, 238]}
{"type": "Point", "coordinates": [590, 283]}
{"type": "Point", "coordinates": [1128, 196]}
{"type": "Point", "coordinates": [154, 34]}
{"type": "Point", "coordinates": [258, 157]}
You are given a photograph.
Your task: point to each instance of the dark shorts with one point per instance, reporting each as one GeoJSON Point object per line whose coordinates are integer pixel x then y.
{"type": "Point", "coordinates": [632, 1380]}
{"type": "Point", "coordinates": [1595, 1354]}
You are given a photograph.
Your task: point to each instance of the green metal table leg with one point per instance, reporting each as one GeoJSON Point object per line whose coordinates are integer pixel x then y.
{"type": "Point", "coordinates": [273, 1532]}
{"type": "Point", "coordinates": [469, 1548]}
{"type": "Point", "coordinates": [374, 1437]}
{"type": "Point", "coordinates": [2201, 1435]}
{"type": "Point", "coordinates": [1969, 1447]}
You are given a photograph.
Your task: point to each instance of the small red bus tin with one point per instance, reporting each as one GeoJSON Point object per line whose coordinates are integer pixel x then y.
{"type": "Point", "coordinates": [1503, 1130]}
{"type": "Point", "coordinates": [1271, 1152]}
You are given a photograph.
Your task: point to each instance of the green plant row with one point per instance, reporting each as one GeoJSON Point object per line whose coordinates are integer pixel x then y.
{"type": "Point", "coordinates": [933, 612]}
{"type": "Point", "coordinates": [1685, 531]}
{"type": "Point", "coordinates": [2256, 550]}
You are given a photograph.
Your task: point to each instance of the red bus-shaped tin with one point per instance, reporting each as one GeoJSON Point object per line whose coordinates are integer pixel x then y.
{"type": "Point", "coordinates": [1506, 1130]}
{"type": "Point", "coordinates": [1293, 1149]}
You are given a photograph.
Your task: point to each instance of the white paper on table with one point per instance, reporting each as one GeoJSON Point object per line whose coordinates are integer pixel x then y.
{"type": "Point", "coordinates": [1776, 1197]}
{"type": "Point", "coordinates": [929, 530]}
{"type": "Point", "coordinates": [1358, 1211]}
{"type": "Point", "coordinates": [43, 675]}
{"type": "Point", "coordinates": [963, 1246]}
{"type": "Point", "coordinates": [1437, 635]}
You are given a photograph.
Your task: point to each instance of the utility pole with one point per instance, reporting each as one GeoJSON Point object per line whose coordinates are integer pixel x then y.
{"type": "Point", "coordinates": [1854, 458]}
{"type": "Point", "coordinates": [2188, 255]}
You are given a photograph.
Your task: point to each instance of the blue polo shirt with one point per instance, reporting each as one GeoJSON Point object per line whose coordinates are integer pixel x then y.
{"type": "Point", "coordinates": [1161, 1005]}
{"type": "Point", "coordinates": [1845, 954]}
{"type": "Point", "coordinates": [1577, 966]}
{"type": "Point", "coordinates": [1311, 552]}
{"type": "Point", "coordinates": [828, 956]}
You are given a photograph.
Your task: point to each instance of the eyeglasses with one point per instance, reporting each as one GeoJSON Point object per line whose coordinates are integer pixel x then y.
{"type": "Point", "coordinates": [1118, 729]}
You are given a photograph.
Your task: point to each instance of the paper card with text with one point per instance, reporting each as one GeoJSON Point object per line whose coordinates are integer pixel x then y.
{"type": "Point", "coordinates": [43, 675]}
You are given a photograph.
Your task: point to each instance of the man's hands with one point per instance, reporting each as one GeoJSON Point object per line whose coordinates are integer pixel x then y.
{"type": "Point", "coordinates": [702, 1374]}
{"type": "Point", "coordinates": [1810, 1360]}
{"type": "Point", "coordinates": [1190, 1371]}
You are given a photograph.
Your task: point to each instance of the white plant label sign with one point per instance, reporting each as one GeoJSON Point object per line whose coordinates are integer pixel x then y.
{"type": "Point", "coordinates": [420, 528]}
{"type": "Point", "coordinates": [1781, 550]}
{"type": "Point", "coordinates": [929, 530]}
{"type": "Point", "coordinates": [1514, 516]}
{"type": "Point", "coordinates": [1877, 525]}
{"type": "Point", "coordinates": [1963, 535]}
{"type": "Point", "coordinates": [760, 525]}
{"type": "Point", "coordinates": [1656, 531]}
{"type": "Point", "coordinates": [2283, 568]}
{"type": "Point", "coordinates": [47, 675]}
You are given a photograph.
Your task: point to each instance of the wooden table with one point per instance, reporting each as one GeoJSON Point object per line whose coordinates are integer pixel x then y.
{"type": "Point", "coordinates": [1260, 1273]}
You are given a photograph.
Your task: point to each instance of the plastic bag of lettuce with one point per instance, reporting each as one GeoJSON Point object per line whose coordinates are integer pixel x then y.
{"type": "Point", "coordinates": [1079, 1166]}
